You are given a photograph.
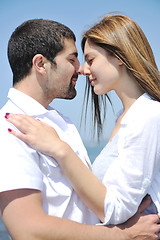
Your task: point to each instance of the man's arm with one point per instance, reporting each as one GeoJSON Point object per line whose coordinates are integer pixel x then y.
{"type": "Point", "coordinates": [25, 219]}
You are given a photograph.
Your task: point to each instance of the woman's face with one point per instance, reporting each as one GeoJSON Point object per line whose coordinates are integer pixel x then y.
{"type": "Point", "coordinates": [102, 69]}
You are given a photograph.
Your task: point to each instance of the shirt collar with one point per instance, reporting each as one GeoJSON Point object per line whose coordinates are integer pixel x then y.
{"type": "Point", "coordinates": [135, 108]}
{"type": "Point", "coordinates": [26, 103]}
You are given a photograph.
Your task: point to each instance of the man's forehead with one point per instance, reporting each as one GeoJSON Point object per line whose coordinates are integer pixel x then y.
{"type": "Point", "coordinates": [70, 47]}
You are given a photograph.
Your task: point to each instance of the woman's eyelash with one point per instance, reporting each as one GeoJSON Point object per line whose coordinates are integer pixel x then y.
{"type": "Point", "coordinates": [90, 61]}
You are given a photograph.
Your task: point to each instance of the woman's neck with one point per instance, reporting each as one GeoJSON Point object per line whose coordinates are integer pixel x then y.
{"type": "Point", "coordinates": [128, 91]}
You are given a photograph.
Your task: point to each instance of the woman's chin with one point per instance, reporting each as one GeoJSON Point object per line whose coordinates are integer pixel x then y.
{"type": "Point", "coordinates": [98, 91]}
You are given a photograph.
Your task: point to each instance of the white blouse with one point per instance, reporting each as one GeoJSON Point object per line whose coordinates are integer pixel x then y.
{"type": "Point", "coordinates": [134, 162]}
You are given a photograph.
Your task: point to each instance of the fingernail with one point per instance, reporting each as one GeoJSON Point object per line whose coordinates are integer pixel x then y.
{"type": "Point", "coordinates": [7, 115]}
{"type": "Point", "coordinates": [9, 130]}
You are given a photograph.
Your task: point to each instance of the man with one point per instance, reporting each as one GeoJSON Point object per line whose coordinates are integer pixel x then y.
{"type": "Point", "coordinates": [36, 200]}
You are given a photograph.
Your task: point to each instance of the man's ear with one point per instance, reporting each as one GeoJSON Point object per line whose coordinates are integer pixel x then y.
{"type": "Point", "coordinates": [38, 62]}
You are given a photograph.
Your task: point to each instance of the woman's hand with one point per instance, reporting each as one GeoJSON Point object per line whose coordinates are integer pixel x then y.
{"type": "Point", "coordinates": [37, 134]}
{"type": "Point", "coordinates": [142, 226]}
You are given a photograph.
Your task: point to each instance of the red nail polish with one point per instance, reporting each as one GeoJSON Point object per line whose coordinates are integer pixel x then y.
{"type": "Point", "coordinates": [7, 115]}
{"type": "Point", "coordinates": [9, 130]}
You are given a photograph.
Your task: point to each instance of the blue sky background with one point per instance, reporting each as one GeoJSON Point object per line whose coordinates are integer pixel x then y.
{"type": "Point", "coordinates": [79, 16]}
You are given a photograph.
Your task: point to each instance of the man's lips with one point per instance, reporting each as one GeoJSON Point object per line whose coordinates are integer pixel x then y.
{"type": "Point", "coordinates": [74, 81]}
{"type": "Point", "coordinates": [74, 78]}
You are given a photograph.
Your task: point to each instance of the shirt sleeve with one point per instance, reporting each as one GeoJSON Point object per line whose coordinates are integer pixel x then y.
{"type": "Point", "coordinates": [19, 163]}
{"type": "Point", "coordinates": [130, 176]}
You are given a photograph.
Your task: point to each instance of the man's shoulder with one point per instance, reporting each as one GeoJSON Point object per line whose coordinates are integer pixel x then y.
{"type": "Point", "coordinates": [3, 111]}
{"type": "Point", "coordinates": [9, 107]}
{"type": "Point", "coordinates": [66, 118]}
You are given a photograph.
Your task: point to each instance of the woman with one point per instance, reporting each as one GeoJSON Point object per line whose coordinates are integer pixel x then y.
{"type": "Point", "coordinates": [117, 57]}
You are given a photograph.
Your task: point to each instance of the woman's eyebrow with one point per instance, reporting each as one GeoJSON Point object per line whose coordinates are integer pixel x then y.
{"type": "Point", "coordinates": [86, 56]}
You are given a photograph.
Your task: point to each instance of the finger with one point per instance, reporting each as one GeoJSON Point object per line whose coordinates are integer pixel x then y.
{"type": "Point", "coordinates": [158, 234]}
{"type": "Point", "coordinates": [157, 221]}
{"type": "Point", "coordinates": [22, 122]}
{"type": "Point", "coordinates": [19, 124]}
{"type": "Point", "coordinates": [20, 117]}
{"type": "Point", "coordinates": [145, 203]}
{"type": "Point", "coordinates": [19, 135]}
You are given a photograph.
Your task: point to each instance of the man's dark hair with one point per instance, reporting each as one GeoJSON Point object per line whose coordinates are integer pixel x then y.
{"type": "Point", "coordinates": [37, 36]}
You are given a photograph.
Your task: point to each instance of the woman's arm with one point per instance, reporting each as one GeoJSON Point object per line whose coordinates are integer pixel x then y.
{"type": "Point", "coordinates": [84, 182]}
{"type": "Point", "coordinates": [44, 138]}
{"type": "Point", "coordinates": [25, 219]}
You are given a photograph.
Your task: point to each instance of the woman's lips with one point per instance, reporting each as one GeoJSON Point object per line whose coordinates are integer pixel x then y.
{"type": "Point", "coordinates": [92, 80]}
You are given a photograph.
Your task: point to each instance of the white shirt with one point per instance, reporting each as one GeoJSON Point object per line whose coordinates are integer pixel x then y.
{"type": "Point", "coordinates": [135, 167]}
{"type": "Point", "coordinates": [24, 167]}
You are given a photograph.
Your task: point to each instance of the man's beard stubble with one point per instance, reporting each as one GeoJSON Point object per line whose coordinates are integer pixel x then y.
{"type": "Point", "coordinates": [71, 92]}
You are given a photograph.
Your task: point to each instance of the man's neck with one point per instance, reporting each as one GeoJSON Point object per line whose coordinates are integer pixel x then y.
{"type": "Point", "coordinates": [33, 91]}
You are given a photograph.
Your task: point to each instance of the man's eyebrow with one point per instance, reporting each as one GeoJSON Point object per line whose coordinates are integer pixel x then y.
{"type": "Point", "coordinates": [74, 54]}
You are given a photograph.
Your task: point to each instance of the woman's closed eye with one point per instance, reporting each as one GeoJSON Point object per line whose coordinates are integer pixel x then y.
{"type": "Point", "coordinates": [89, 61]}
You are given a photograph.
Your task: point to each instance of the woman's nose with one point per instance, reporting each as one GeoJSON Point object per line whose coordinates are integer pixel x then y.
{"type": "Point", "coordinates": [86, 70]}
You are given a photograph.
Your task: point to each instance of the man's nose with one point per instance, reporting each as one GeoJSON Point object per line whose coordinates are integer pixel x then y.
{"type": "Point", "coordinates": [80, 70]}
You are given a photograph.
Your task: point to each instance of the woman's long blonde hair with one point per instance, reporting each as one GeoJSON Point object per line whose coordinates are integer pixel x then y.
{"type": "Point", "coordinates": [122, 37]}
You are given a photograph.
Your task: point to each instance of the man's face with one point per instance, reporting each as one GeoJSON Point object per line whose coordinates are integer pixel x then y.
{"type": "Point", "coordinates": [62, 77]}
